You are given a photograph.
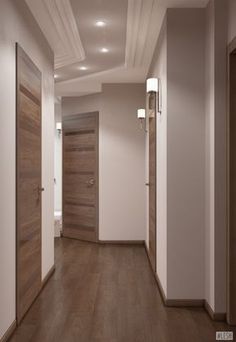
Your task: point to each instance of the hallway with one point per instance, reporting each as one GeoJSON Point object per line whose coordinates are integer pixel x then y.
{"type": "Point", "coordinates": [118, 126]}
{"type": "Point", "coordinates": [107, 293]}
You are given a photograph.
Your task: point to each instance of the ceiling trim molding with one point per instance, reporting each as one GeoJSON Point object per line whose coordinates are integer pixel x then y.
{"type": "Point", "coordinates": [91, 76]}
{"type": "Point", "coordinates": [93, 83]}
{"type": "Point", "coordinates": [57, 21]}
{"type": "Point", "coordinates": [132, 31]}
{"type": "Point", "coordinates": [142, 21]}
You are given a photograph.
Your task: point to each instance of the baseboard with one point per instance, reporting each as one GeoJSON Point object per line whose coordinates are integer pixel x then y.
{"type": "Point", "coordinates": [111, 242]}
{"type": "Point", "coordinates": [48, 276]}
{"type": "Point", "coordinates": [194, 303]}
{"type": "Point", "coordinates": [9, 332]}
{"type": "Point", "coordinates": [121, 242]}
{"type": "Point", "coordinates": [160, 288]}
{"type": "Point", "coordinates": [215, 316]}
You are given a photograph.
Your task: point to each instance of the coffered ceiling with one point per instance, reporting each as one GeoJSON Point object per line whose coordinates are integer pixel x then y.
{"type": "Point", "coordinates": [101, 41]}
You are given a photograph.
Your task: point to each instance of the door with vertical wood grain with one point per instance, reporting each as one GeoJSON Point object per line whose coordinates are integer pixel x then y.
{"type": "Point", "coordinates": [80, 177]}
{"type": "Point", "coordinates": [28, 182]}
{"type": "Point", "coordinates": [231, 293]}
{"type": "Point", "coordinates": [152, 179]}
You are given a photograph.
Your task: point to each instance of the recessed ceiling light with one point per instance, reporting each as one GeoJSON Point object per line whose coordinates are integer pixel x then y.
{"type": "Point", "coordinates": [83, 68]}
{"type": "Point", "coordinates": [100, 23]}
{"type": "Point", "coordinates": [56, 76]}
{"type": "Point", "coordinates": [104, 50]}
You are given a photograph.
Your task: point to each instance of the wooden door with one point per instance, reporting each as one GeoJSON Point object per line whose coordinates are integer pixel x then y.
{"type": "Point", "coordinates": [28, 182]}
{"type": "Point", "coordinates": [80, 177]}
{"type": "Point", "coordinates": [152, 179]}
{"type": "Point", "coordinates": [231, 310]}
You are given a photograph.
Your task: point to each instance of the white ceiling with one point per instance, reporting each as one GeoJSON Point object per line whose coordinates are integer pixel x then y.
{"type": "Point", "coordinates": [112, 36]}
{"type": "Point", "coordinates": [130, 34]}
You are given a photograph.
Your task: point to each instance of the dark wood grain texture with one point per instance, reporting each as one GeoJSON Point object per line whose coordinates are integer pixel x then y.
{"type": "Point", "coordinates": [104, 293]}
{"type": "Point", "coordinates": [28, 183]}
{"type": "Point", "coordinates": [80, 177]}
{"type": "Point", "coordinates": [232, 193]}
{"type": "Point", "coordinates": [152, 179]}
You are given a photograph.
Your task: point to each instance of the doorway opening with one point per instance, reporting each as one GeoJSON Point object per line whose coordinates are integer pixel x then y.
{"type": "Point", "coordinates": [58, 169]}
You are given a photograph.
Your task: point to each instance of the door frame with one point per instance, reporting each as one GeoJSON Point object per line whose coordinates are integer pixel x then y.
{"type": "Point", "coordinates": [152, 102]}
{"type": "Point", "coordinates": [230, 262]}
{"type": "Point", "coordinates": [72, 117]}
{"type": "Point", "coordinates": [20, 52]}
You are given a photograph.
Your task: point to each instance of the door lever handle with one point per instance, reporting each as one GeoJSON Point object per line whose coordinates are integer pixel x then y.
{"type": "Point", "coordinates": [90, 182]}
{"type": "Point", "coordinates": [40, 189]}
{"type": "Point", "coordinates": [147, 184]}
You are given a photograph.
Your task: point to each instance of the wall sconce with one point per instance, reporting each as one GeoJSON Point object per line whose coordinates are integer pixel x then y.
{"type": "Point", "coordinates": [153, 89]}
{"type": "Point", "coordinates": [141, 114]}
{"type": "Point", "coordinates": [59, 128]}
{"type": "Point", "coordinates": [152, 85]}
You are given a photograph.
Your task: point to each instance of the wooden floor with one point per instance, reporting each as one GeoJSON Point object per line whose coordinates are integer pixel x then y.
{"type": "Point", "coordinates": [107, 293]}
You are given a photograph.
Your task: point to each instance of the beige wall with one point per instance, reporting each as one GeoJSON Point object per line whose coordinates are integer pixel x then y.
{"type": "Point", "coordinates": [215, 100]}
{"type": "Point", "coordinates": [82, 104]}
{"type": "Point", "coordinates": [191, 208]}
{"type": "Point", "coordinates": [209, 156]}
{"type": "Point", "coordinates": [191, 216]}
{"type": "Point", "coordinates": [122, 166]}
{"type": "Point", "coordinates": [179, 63]}
{"type": "Point", "coordinates": [121, 158]}
{"type": "Point", "coordinates": [220, 153]}
{"type": "Point", "coordinates": [17, 25]}
{"type": "Point", "coordinates": [185, 153]}
{"type": "Point", "coordinates": [159, 69]}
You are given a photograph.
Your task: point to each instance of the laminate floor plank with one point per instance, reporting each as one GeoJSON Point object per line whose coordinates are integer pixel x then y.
{"type": "Point", "coordinates": [107, 293]}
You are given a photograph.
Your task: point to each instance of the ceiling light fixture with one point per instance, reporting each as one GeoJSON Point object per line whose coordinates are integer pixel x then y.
{"type": "Point", "coordinates": [83, 68]}
{"type": "Point", "coordinates": [104, 50]}
{"type": "Point", "coordinates": [100, 23]}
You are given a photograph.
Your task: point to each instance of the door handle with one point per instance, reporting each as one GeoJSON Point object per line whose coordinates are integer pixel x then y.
{"type": "Point", "coordinates": [147, 184]}
{"type": "Point", "coordinates": [38, 191]}
{"type": "Point", "coordinates": [90, 182]}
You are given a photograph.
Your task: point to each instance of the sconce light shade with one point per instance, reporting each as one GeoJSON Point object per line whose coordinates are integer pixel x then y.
{"type": "Point", "coordinates": [141, 113]}
{"type": "Point", "coordinates": [58, 126]}
{"type": "Point", "coordinates": [152, 85]}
